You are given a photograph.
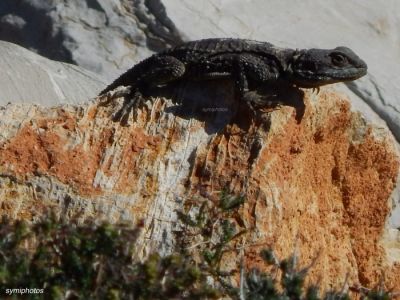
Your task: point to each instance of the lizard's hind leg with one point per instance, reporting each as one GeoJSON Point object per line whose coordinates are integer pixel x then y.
{"type": "Point", "coordinates": [155, 71]}
{"type": "Point", "coordinates": [132, 103]}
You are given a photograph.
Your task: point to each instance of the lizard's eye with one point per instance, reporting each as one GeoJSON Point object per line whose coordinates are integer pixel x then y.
{"type": "Point", "coordinates": [338, 59]}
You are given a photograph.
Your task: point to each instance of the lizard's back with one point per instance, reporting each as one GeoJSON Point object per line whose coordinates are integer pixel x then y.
{"type": "Point", "coordinates": [193, 54]}
{"type": "Point", "coordinates": [216, 46]}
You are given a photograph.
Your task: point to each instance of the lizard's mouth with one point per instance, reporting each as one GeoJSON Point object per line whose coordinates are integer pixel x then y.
{"type": "Point", "coordinates": [312, 79]}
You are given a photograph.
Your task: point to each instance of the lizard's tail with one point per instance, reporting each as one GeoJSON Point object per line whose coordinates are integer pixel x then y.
{"type": "Point", "coordinates": [124, 80]}
{"type": "Point", "coordinates": [107, 89]}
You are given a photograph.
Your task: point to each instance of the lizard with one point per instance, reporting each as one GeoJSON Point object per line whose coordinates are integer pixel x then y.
{"type": "Point", "coordinates": [249, 63]}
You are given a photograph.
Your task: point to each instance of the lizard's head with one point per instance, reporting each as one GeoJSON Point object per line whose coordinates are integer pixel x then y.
{"type": "Point", "coordinates": [315, 67]}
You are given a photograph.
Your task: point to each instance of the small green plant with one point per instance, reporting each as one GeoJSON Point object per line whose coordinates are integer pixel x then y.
{"type": "Point", "coordinates": [89, 261]}
{"type": "Point", "coordinates": [217, 224]}
{"type": "Point", "coordinates": [259, 285]}
{"type": "Point", "coordinates": [213, 224]}
{"type": "Point", "coordinates": [69, 260]}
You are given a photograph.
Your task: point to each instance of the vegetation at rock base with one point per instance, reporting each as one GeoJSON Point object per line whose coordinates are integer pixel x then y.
{"type": "Point", "coordinates": [96, 261]}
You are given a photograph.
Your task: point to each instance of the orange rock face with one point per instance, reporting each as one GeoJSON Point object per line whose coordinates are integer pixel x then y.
{"type": "Point", "coordinates": [320, 178]}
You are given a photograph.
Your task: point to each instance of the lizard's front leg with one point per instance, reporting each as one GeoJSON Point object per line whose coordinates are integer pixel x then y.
{"type": "Point", "coordinates": [240, 77]}
{"type": "Point", "coordinates": [249, 67]}
{"type": "Point", "coordinates": [257, 71]}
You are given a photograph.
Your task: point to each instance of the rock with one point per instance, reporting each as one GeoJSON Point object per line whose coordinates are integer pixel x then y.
{"type": "Point", "coordinates": [102, 36]}
{"type": "Point", "coordinates": [28, 77]}
{"type": "Point", "coordinates": [316, 171]}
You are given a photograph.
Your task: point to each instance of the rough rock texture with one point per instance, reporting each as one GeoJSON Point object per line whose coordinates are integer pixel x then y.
{"type": "Point", "coordinates": [28, 77]}
{"type": "Point", "coordinates": [100, 35]}
{"type": "Point", "coordinates": [317, 173]}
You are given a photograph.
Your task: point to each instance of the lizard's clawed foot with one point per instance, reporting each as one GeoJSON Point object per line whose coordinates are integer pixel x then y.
{"type": "Point", "coordinates": [316, 89]}
{"type": "Point", "coordinates": [131, 103]}
{"type": "Point", "coordinates": [109, 97]}
{"type": "Point", "coordinates": [276, 106]}
{"type": "Point", "coordinates": [255, 101]}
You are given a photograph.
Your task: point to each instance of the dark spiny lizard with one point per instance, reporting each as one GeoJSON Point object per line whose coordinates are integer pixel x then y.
{"type": "Point", "coordinates": [249, 63]}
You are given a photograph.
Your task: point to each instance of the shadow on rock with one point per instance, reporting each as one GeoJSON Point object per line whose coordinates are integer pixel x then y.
{"type": "Point", "coordinates": [216, 104]}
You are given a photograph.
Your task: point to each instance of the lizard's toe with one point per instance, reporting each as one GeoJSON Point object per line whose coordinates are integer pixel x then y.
{"type": "Point", "coordinates": [131, 104]}
{"type": "Point", "coordinates": [110, 96]}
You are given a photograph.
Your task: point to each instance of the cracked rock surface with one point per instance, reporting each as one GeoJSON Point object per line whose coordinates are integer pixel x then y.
{"type": "Point", "coordinates": [316, 170]}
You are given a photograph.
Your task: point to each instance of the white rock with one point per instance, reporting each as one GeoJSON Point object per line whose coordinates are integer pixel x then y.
{"type": "Point", "coordinates": [30, 78]}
